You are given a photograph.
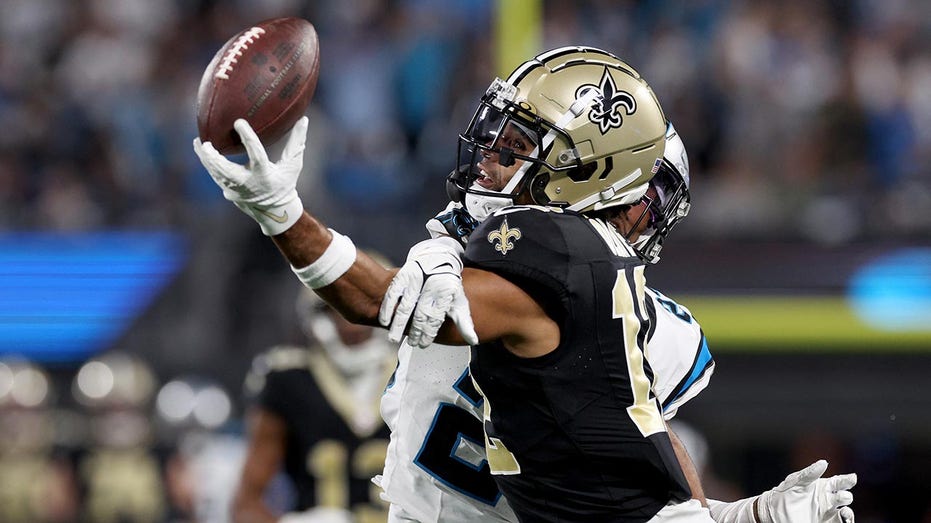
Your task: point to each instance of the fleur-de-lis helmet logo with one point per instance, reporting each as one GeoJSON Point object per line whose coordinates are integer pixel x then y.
{"type": "Point", "coordinates": [504, 236]}
{"type": "Point", "coordinates": [608, 103]}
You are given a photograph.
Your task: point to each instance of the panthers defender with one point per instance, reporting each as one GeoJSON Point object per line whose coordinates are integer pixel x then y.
{"type": "Point", "coordinates": [314, 415]}
{"type": "Point", "coordinates": [571, 425]}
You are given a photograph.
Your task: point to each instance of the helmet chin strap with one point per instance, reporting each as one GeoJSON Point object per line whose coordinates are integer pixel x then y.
{"type": "Point", "coordinates": [481, 206]}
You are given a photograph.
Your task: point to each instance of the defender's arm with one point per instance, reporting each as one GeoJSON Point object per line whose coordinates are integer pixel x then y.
{"type": "Point", "coordinates": [499, 308]}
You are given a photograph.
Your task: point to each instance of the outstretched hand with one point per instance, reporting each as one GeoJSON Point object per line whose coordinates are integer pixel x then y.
{"type": "Point", "coordinates": [805, 496]}
{"type": "Point", "coordinates": [262, 189]}
{"type": "Point", "coordinates": [428, 288]}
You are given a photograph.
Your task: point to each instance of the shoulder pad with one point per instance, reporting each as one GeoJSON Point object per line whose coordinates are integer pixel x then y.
{"type": "Point", "coordinates": [524, 242]}
{"type": "Point", "coordinates": [513, 231]}
{"type": "Point", "coordinates": [539, 248]}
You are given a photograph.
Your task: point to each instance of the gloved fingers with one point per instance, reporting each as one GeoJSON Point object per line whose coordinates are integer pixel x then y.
{"type": "Point", "coordinates": [413, 336]}
{"type": "Point", "coordinates": [841, 482]}
{"type": "Point", "coordinates": [250, 140]}
{"type": "Point", "coordinates": [839, 499]}
{"type": "Point", "coordinates": [390, 301]}
{"type": "Point", "coordinates": [198, 147]}
{"type": "Point", "coordinates": [806, 476]}
{"type": "Point", "coordinates": [427, 322]}
{"type": "Point", "coordinates": [461, 315]}
{"type": "Point", "coordinates": [297, 137]}
{"type": "Point", "coordinates": [846, 515]}
{"type": "Point", "coordinates": [401, 315]}
{"type": "Point", "coordinates": [224, 172]}
{"type": "Point", "coordinates": [429, 313]}
{"type": "Point", "coordinates": [418, 323]}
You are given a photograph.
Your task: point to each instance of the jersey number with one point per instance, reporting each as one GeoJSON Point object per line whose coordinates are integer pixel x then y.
{"type": "Point", "coordinates": [676, 309]}
{"type": "Point", "coordinates": [643, 412]}
{"type": "Point", "coordinates": [330, 462]}
{"type": "Point", "coordinates": [448, 451]}
{"type": "Point", "coordinates": [500, 460]}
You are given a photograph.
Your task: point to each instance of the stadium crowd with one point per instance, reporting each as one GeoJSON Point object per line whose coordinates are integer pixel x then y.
{"type": "Point", "coordinates": [798, 114]}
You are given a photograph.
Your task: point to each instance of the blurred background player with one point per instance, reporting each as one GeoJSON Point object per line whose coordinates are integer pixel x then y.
{"type": "Point", "coordinates": [208, 450]}
{"type": "Point", "coordinates": [36, 480]}
{"type": "Point", "coordinates": [314, 415]}
{"type": "Point", "coordinates": [120, 473]}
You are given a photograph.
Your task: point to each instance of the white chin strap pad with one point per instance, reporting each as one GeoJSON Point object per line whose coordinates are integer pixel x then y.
{"type": "Point", "coordinates": [481, 206]}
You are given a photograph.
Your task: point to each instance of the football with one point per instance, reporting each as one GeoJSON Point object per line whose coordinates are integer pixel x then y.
{"type": "Point", "coordinates": [266, 74]}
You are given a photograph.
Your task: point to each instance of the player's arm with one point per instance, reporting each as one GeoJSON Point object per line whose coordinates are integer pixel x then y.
{"type": "Point", "coordinates": [312, 250]}
{"type": "Point", "coordinates": [688, 468]}
{"type": "Point", "coordinates": [803, 497]}
{"type": "Point", "coordinates": [266, 191]}
{"type": "Point", "coordinates": [499, 308]}
{"type": "Point", "coordinates": [327, 262]}
{"type": "Point", "coordinates": [502, 310]}
{"type": "Point", "coordinates": [264, 456]}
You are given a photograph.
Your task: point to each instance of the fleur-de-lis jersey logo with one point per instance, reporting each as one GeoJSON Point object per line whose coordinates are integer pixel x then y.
{"type": "Point", "coordinates": [606, 108]}
{"type": "Point", "coordinates": [504, 236]}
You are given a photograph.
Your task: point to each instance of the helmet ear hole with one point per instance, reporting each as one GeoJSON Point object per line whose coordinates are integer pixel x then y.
{"type": "Point", "coordinates": [538, 188]}
{"type": "Point", "coordinates": [583, 173]}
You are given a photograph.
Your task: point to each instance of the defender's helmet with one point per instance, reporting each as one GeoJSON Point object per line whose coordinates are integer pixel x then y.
{"type": "Point", "coordinates": [598, 131]}
{"type": "Point", "coordinates": [672, 201]}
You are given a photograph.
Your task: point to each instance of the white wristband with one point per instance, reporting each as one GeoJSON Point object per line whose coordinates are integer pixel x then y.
{"type": "Point", "coordinates": [333, 263]}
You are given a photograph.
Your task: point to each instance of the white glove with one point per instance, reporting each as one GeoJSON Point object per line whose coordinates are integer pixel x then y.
{"type": "Point", "coordinates": [429, 287]}
{"type": "Point", "coordinates": [264, 190]}
{"type": "Point", "coordinates": [805, 496]}
{"type": "Point", "coordinates": [318, 515]}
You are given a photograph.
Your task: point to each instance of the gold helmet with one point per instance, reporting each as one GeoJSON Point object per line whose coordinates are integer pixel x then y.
{"type": "Point", "coordinates": [597, 131]}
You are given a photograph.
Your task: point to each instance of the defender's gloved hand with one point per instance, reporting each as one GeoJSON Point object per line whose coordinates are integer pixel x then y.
{"type": "Point", "coordinates": [805, 496]}
{"type": "Point", "coordinates": [262, 189]}
{"type": "Point", "coordinates": [429, 287]}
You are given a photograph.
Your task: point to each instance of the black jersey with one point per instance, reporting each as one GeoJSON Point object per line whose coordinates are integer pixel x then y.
{"type": "Point", "coordinates": [577, 434]}
{"type": "Point", "coordinates": [330, 456]}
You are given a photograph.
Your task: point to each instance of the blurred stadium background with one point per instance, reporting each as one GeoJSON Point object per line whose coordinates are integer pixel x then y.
{"type": "Point", "coordinates": [807, 256]}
